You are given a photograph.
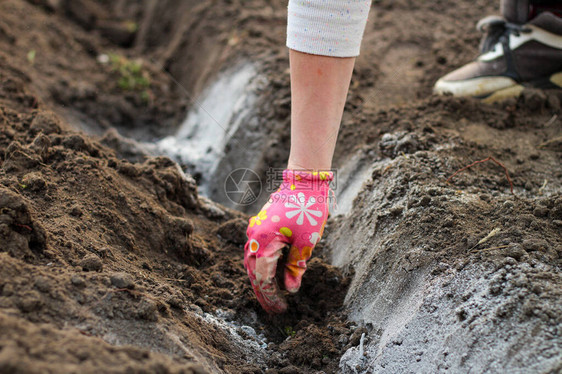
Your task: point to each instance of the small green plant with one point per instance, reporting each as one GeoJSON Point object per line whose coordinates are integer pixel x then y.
{"type": "Point", "coordinates": [289, 331]}
{"type": "Point", "coordinates": [131, 26]}
{"type": "Point", "coordinates": [145, 95]}
{"type": "Point", "coordinates": [131, 75]}
{"type": "Point", "coordinates": [31, 56]}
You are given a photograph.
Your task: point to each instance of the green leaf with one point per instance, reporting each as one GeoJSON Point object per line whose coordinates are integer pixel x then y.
{"type": "Point", "coordinates": [31, 56]}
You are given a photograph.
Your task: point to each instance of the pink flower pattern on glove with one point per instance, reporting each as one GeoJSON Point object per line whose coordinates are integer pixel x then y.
{"type": "Point", "coordinates": [294, 216]}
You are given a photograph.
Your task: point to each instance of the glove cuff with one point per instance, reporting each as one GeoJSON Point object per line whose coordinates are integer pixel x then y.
{"type": "Point", "coordinates": [296, 176]}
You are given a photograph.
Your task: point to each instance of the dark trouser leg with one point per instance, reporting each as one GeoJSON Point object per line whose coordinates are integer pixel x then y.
{"type": "Point", "coordinates": [521, 11]}
{"type": "Point", "coordinates": [516, 11]}
{"type": "Point", "coordinates": [536, 7]}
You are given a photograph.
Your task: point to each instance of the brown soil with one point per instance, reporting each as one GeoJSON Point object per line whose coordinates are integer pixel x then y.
{"type": "Point", "coordinates": [60, 60]}
{"type": "Point", "coordinates": [113, 266]}
{"type": "Point", "coordinates": [97, 247]}
{"type": "Point", "coordinates": [127, 252]}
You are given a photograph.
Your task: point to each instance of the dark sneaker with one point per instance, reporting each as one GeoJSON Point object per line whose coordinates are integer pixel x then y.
{"type": "Point", "coordinates": [513, 56]}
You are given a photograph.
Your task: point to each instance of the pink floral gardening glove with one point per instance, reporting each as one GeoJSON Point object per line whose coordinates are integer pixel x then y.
{"type": "Point", "coordinates": [294, 216]}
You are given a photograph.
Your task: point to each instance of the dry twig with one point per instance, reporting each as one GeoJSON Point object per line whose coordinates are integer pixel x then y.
{"type": "Point", "coordinates": [492, 233]}
{"type": "Point", "coordinates": [490, 158]}
{"type": "Point", "coordinates": [492, 248]}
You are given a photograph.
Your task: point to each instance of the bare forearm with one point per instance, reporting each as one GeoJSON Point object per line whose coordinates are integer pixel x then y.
{"type": "Point", "coordinates": [319, 86]}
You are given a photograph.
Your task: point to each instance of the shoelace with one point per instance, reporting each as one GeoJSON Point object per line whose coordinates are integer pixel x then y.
{"type": "Point", "coordinates": [498, 29]}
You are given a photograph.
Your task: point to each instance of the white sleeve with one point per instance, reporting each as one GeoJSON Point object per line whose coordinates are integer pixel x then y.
{"type": "Point", "coordinates": [327, 27]}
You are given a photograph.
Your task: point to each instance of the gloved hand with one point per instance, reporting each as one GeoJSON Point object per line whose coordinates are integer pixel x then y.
{"type": "Point", "coordinates": [294, 216]}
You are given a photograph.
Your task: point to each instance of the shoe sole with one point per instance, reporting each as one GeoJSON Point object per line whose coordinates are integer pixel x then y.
{"type": "Point", "coordinates": [553, 82]}
{"type": "Point", "coordinates": [556, 79]}
{"type": "Point", "coordinates": [500, 95]}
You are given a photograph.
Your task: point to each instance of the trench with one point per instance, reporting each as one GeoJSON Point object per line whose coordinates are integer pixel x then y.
{"type": "Point", "coordinates": [216, 138]}
{"type": "Point", "coordinates": [202, 139]}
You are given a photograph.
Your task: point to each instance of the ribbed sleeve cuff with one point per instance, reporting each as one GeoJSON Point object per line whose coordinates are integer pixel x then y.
{"type": "Point", "coordinates": [327, 27]}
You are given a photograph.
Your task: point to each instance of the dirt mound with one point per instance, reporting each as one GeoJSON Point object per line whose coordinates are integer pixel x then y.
{"type": "Point", "coordinates": [99, 248]}
{"type": "Point", "coordinates": [443, 269]}
{"type": "Point", "coordinates": [70, 351]}
{"type": "Point", "coordinates": [445, 266]}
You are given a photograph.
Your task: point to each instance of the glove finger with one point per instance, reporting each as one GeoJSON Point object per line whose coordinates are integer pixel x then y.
{"type": "Point", "coordinates": [296, 266]}
{"type": "Point", "coordinates": [261, 265]}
